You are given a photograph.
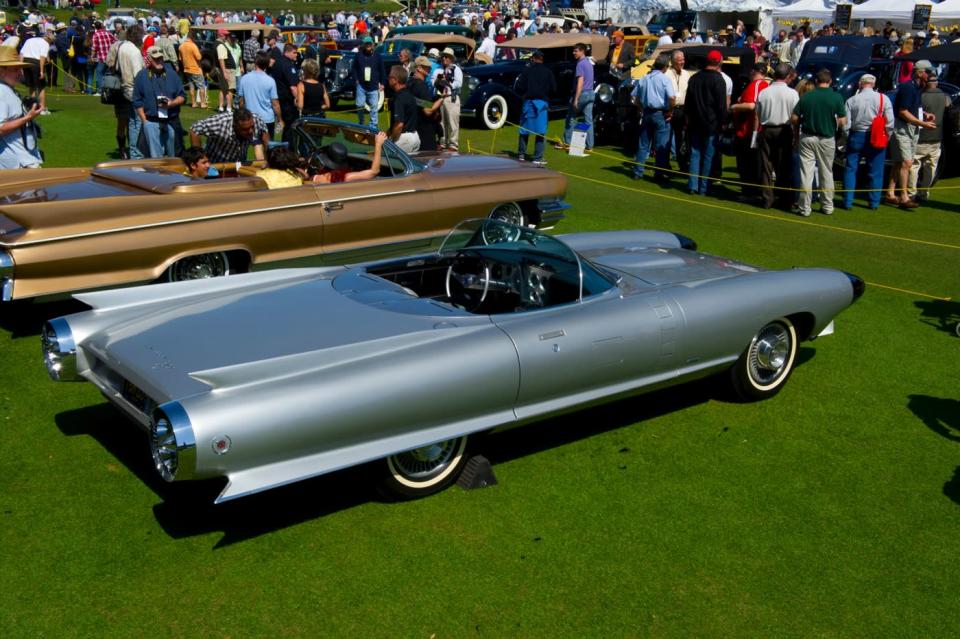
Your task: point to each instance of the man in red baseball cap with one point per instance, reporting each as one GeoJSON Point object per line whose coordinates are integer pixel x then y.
{"type": "Point", "coordinates": [706, 110]}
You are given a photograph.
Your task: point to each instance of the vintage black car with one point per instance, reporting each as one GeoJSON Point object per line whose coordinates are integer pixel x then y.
{"type": "Point", "coordinates": [488, 92]}
{"type": "Point", "coordinates": [848, 58]}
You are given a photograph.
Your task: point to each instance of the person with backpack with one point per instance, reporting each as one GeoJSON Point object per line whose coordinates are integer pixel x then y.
{"type": "Point", "coordinates": [869, 126]}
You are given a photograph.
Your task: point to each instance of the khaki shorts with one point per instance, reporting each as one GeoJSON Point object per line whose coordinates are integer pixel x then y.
{"type": "Point", "coordinates": [230, 77]}
{"type": "Point", "coordinates": [903, 145]}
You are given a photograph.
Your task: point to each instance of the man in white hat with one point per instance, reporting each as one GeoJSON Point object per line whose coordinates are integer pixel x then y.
{"type": "Point", "coordinates": [18, 132]}
{"type": "Point", "coordinates": [450, 109]}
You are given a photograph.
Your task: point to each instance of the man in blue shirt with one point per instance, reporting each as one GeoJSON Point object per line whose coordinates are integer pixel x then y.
{"type": "Point", "coordinates": [581, 105]}
{"type": "Point", "coordinates": [258, 92]}
{"type": "Point", "coordinates": [656, 95]}
{"type": "Point", "coordinates": [369, 75]}
{"type": "Point", "coordinates": [906, 133]}
{"type": "Point", "coordinates": [157, 96]}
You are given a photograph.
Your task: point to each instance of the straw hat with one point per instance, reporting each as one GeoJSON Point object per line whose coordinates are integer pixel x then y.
{"type": "Point", "coordinates": [9, 59]}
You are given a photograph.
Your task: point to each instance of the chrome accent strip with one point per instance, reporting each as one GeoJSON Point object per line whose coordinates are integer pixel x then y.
{"type": "Point", "coordinates": [185, 438]}
{"type": "Point", "coordinates": [205, 218]}
{"type": "Point", "coordinates": [6, 276]}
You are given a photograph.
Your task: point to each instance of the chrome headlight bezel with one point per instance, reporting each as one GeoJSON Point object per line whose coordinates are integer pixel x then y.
{"type": "Point", "coordinates": [472, 83]}
{"type": "Point", "coordinates": [173, 445]}
{"type": "Point", "coordinates": [605, 92]}
{"type": "Point", "coordinates": [6, 276]}
{"type": "Point", "coordinates": [59, 350]}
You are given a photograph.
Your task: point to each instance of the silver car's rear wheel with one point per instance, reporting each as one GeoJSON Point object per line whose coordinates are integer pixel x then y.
{"type": "Point", "coordinates": [199, 267]}
{"type": "Point", "coordinates": [427, 470]}
{"type": "Point", "coordinates": [509, 212]}
{"type": "Point", "coordinates": [766, 364]}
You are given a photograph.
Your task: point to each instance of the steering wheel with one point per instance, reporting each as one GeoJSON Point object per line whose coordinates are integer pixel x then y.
{"type": "Point", "coordinates": [471, 274]}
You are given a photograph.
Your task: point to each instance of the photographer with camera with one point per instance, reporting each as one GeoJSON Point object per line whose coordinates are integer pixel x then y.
{"type": "Point", "coordinates": [18, 131]}
{"type": "Point", "coordinates": [447, 82]}
{"type": "Point", "coordinates": [157, 96]}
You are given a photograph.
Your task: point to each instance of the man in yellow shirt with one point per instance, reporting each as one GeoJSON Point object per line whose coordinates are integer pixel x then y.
{"type": "Point", "coordinates": [190, 57]}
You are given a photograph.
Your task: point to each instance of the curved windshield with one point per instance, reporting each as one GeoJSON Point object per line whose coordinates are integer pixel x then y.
{"type": "Point", "coordinates": [496, 234]}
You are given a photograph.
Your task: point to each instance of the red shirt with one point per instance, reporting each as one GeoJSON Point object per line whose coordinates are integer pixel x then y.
{"type": "Point", "coordinates": [743, 120]}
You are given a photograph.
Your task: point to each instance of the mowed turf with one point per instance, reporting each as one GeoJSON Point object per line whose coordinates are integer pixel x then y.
{"type": "Point", "coordinates": [830, 510]}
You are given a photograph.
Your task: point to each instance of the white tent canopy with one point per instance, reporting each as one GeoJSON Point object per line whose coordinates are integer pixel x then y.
{"type": "Point", "coordinates": [946, 11]}
{"type": "Point", "coordinates": [898, 11]}
{"type": "Point", "coordinates": [822, 9]}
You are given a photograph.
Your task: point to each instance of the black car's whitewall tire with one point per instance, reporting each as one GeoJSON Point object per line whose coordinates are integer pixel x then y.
{"type": "Point", "coordinates": [425, 471]}
{"type": "Point", "coordinates": [494, 112]}
{"type": "Point", "coordinates": [199, 267]}
{"type": "Point", "coordinates": [765, 365]}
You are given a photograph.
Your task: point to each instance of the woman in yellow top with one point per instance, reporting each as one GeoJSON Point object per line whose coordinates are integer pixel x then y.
{"type": "Point", "coordinates": [286, 168]}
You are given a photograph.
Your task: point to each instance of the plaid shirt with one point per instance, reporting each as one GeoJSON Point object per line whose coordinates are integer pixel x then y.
{"type": "Point", "coordinates": [251, 46]}
{"type": "Point", "coordinates": [100, 44]}
{"type": "Point", "coordinates": [223, 145]}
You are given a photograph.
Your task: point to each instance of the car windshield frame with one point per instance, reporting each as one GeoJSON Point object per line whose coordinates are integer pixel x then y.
{"type": "Point", "coordinates": [480, 233]}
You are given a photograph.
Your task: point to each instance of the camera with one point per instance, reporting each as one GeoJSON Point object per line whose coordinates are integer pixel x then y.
{"type": "Point", "coordinates": [163, 100]}
{"type": "Point", "coordinates": [29, 102]}
{"type": "Point", "coordinates": [442, 83]}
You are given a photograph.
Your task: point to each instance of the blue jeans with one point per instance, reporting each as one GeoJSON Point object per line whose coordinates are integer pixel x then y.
{"type": "Point", "coordinates": [537, 146]}
{"type": "Point", "coordinates": [133, 133]}
{"type": "Point", "coordinates": [101, 67]}
{"type": "Point", "coordinates": [655, 131]}
{"type": "Point", "coordinates": [160, 137]}
{"type": "Point", "coordinates": [370, 99]}
{"type": "Point", "coordinates": [701, 159]}
{"type": "Point", "coordinates": [858, 144]}
{"type": "Point", "coordinates": [584, 111]}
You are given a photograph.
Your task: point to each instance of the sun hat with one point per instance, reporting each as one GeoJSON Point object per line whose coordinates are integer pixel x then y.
{"type": "Point", "coordinates": [433, 52]}
{"type": "Point", "coordinates": [255, 33]}
{"type": "Point", "coordinates": [423, 61]}
{"type": "Point", "coordinates": [449, 52]}
{"type": "Point", "coordinates": [333, 156]}
{"type": "Point", "coordinates": [868, 78]}
{"type": "Point", "coordinates": [61, 26]}
{"type": "Point", "coordinates": [10, 59]}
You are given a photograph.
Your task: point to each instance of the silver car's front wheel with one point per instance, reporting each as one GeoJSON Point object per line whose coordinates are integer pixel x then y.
{"type": "Point", "coordinates": [766, 364]}
{"type": "Point", "coordinates": [199, 267]}
{"type": "Point", "coordinates": [426, 470]}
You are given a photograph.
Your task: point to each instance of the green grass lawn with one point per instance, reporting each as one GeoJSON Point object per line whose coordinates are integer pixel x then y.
{"type": "Point", "coordinates": [830, 510]}
{"type": "Point", "coordinates": [299, 7]}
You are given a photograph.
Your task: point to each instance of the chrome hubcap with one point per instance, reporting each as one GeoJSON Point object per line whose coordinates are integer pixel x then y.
{"type": "Point", "coordinates": [769, 353]}
{"type": "Point", "coordinates": [163, 446]}
{"type": "Point", "coordinates": [509, 213]}
{"type": "Point", "coordinates": [422, 463]}
{"type": "Point", "coordinates": [200, 267]}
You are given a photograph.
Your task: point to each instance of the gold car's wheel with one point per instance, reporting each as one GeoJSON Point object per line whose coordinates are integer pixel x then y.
{"type": "Point", "coordinates": [426, 470]}
{"type": "Point", "coordinates": [509, 212]}
{"type": "Point", "coordinates": [764, 367]}
{"type": "Point", "coordinates": [199, 267]}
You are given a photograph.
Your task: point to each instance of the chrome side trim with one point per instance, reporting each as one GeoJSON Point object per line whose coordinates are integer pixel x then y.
{"type": "Point", "coordinates": [205, 218]}
{"type": "Point", "coordinates": [6, 276]}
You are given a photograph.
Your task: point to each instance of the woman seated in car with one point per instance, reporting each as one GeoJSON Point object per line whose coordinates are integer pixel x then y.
{"type": "Point", "coordinates": [285, 168]}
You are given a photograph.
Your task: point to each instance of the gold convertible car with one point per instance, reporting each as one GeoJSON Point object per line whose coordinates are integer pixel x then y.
{"type": "Point", "coordinates": [126, 222]}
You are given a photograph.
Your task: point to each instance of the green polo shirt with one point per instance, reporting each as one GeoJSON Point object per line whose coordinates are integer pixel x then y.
{"type": "Point", "coordinates": [818, 111]}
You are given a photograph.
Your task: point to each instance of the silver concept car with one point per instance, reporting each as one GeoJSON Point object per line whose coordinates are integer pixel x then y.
{"type": "Point", "coordinates": [277, 376]}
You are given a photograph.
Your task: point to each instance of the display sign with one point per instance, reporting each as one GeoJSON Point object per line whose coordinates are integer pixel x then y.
{"type": "Point", "coordinates": [921, 17]}
{"type": "Point", "coordinates": [841, 17]}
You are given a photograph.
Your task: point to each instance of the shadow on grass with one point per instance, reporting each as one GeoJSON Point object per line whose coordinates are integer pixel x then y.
{"type": "Point", "coordinates": [942, 416]}
{"type": "Point", "coordinates": [942, 314]}
{"type": "Point", "coordinates": [187, 508]}
{"type": "Point", "coordinates": [25, 318]}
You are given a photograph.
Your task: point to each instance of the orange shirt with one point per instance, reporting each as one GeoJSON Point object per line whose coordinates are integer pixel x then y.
{"type": "Point", "coordinates": [190, 55]}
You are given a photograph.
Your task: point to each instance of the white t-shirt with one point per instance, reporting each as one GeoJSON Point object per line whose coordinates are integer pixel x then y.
{"type": "Point", "coordinates": [13, 152]}
{"type": "Point", "coordinates": [35, 48]}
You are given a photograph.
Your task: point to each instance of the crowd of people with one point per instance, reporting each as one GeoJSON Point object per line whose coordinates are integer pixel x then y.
{"type": "Point", "coordinates": [782, 129]}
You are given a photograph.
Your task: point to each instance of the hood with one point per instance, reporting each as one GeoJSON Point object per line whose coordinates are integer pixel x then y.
{"type": "Point", "coordinates": [176, 351]}
{"type": "Point", "coordinates": [456, 164]}
{"type": "Point", "coordinates": [659, 266]}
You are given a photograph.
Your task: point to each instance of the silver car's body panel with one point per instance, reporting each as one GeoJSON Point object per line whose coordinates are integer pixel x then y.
{"type": "Point", "coordinates": [306, 371]}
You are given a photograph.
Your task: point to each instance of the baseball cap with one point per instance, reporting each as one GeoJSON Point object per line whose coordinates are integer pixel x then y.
{"type": "Point", "coordinates": [869, 78]}
{"type": "Point", "coordinates": [923, 65]}
{"type": "Point", "coordinates": [423, 61]}
{"type": "Point", "coordinates": [618, 32]}
{"type": "Point", "coordinates": [714, 57]}
{"type": "Point", "coordinates": [155, 52]}
{"type": "Point", "coordinates": [368, 40]}
{"type": "Point", "coordinates": [434, 52]}
{"type": "Point", "coordinates": [449, 52]}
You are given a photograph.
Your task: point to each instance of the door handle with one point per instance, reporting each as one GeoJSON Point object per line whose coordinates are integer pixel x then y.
{"type": "Point", "coordinates": [332, 206]}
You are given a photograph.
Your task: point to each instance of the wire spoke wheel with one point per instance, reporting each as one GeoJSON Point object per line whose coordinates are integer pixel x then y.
{"type": "Point", "coordinates": [199, 267]}
{"type": "Point", "coordinates": [425, 470]}
{"type": "Point", "coordinates": [509, 212]}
